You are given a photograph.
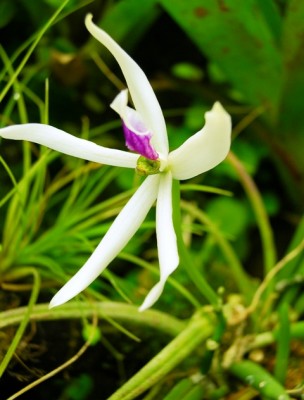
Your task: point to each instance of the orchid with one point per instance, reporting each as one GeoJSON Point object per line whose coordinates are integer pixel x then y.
{"type": "Point", "coordinates": [145, 135]}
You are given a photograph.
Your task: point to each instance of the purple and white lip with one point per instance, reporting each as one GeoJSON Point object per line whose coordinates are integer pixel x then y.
{"type": "Point", "coordinates": [137, 136]}
{"type": "Point", "coordinates": [139, 140]}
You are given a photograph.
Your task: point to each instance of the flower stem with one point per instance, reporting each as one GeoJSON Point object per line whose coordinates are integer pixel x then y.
{"type": "Point", "coordinates": [241, 278]}
{"type": "Point", "coordinates": [260, 379]}
{"type": "Point", "coordinates": [267, 338]}
{"type": "Point", "coordinates": [186, 260]}
{"type": "Point", "coordinates": [199, 329]}
{"type": "Point", "coordinates": [107, 310]}
{"type": "Point", "coordinates": [283, 345]}
{"type": "Point", "coordinates": [255, 198]}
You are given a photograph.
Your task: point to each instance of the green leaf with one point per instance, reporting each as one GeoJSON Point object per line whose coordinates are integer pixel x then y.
{"type": "Point", "coordinates": [127, 15]}
{"type": "Point", "coordinates": [230, 215]}
{"type": "Point", "coordinates": [283, 344]}
{"type": "Point", "coordinates": [126, 21]}
{"type": "Point", "coordinates": [180, 389]}
{"type": "Point", "coordinates": [272, 16]}
{"type": "Point", "coordinates": [235, 35]}
{"type": "Point", "coordinates": [291, 123]}
{"type": "Point", "coordinates": [7, 11]}
{"type": "Point", "coordinates": [257, 377]}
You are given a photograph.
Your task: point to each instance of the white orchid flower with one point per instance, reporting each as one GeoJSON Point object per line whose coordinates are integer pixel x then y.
{"type": "Point", "coordinates": [145, 134]}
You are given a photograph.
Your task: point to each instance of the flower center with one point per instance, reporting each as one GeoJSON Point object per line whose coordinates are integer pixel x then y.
{"type": "Point", "coordinates": [146, 166]}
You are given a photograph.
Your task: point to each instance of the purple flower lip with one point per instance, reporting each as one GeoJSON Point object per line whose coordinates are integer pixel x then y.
{"type": "Point", "coordinates": [139, 141]}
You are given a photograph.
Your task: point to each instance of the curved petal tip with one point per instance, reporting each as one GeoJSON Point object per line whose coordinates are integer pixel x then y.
{"type": "Point", "coordinates": [206, 149]}
{"type": "Point", "coordinates": [57, 300]}
{"type": "Point", "coordinates": [152, 296]}
{"type": "Point", "coordinates": [88, 19]}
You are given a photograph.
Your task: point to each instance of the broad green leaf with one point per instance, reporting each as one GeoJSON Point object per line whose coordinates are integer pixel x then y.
{"type": "Point", "coordinates": [291, 123]}
{"type": "Point", "coordinates": [235, 35]}
{"type": "Point", "coordinates": [230, 215]}
{"type": "Point", "coordinates": [129, 17]}
{"type": "Point", "coordinates": [272, 16]}
{"type": "Point", "coordinates": [7, 11]}
{"type": "Point", "coordinates": [127, 20]}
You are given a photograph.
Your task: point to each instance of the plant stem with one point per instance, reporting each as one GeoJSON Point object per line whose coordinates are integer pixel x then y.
{"type": "Point", "coordinates": [260, 379]}
{"type": "Point", "coordinates": [266, 338]}
{"type": "Point", "coordinates": [271, 274]}
{"type": "Point", "coordinates": [283, 345]}
{"type": "Point", "coordinates": [255, 198]}
{"type": "Point", "coordinates": [75, 309]}
{"type": "Point", "coordinates": [242, 280]}
{"type": "Point", "coordinates": [199, 329]}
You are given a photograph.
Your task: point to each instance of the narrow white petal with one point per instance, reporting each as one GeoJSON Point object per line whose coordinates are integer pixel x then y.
{"type": "Point", "coordinates": [141, 91]}
{"type": "Point", "coordinates": [130, 117]}
{"type": "Point", "coordinates": [166, 239]}
{"type": "Point", "coordinates": [152, 296]}
{"type": "Point", "coordinates": [121, 231]}
{"type": "Point", "coordinates": [204, 150]}
{"type": "Point", "coordinates": [63, 142]}
{"type": "Point", "coordinates": [120, 102]}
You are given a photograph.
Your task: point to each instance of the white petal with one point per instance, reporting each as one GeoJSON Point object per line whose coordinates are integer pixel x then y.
{"type": "Point", "coordinates": [121, 231]}
{"type": "Point", "coordinates": [204, 150]}
{"type": "Point", "coordinates": [63, 142]}
{"type": "Point", "coordinates": [130, 117]}
{"type": "Point", "coordinates": [152, 296]}
{"type": "Point", "coordinates": [141, 91]}
{"type": "Point", "coordinates": [166, 239]}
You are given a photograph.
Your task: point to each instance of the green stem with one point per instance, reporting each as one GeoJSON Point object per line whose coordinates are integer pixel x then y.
{"type": "Point", "coordinates": [293, 268]}
{"type": "Point", "coordinates": [114, 310]}
{"type": "Point", "coordinates": [266, 338]}
{"type": "Point", "coordinates": [186, 260]}
{"type": "Point", "coordinates": [24, 317]}
{"type": "Point", "coordinates": [283, 344]}
{"type": "Point", "coordinates": [205, 189]}
{"type": "Point", "coordinates": [199, 329]}
{"type": "Point", "coordinates": [260, 379]}
{"type": "Point", "coordinates": [241, 278]}
{"type": "Point", "coordinates": [219, 331]}
{"type": "Point", "coordinates": [46, 103]}
{"type": "Point", "coordinates": [269, 251]}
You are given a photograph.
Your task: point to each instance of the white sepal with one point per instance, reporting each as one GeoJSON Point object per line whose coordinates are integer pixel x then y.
{"type": "Point", "coordinates": [204, 150]}
{"type": "Point", "coordinates": [63, 142]}
{"type": "Point", "coordinates": [121, 231]}
{"type": "Point", "coordinates": [166, 239]}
